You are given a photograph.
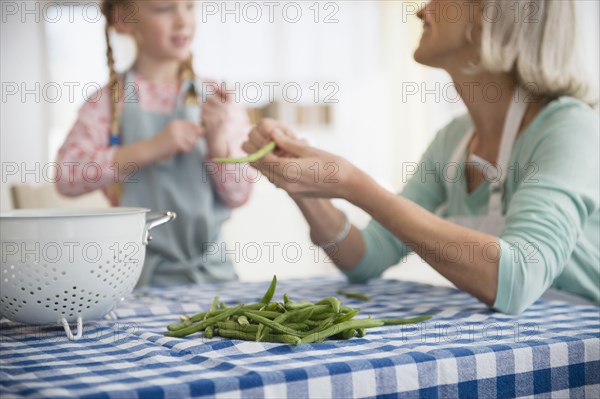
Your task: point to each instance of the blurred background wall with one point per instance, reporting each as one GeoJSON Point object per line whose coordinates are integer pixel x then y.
{"type": "Point", "coordinates": [342, 74]}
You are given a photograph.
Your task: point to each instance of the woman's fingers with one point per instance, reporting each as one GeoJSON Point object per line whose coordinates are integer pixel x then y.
{"type": "Point", "coordinates": [258, 139]}
{"type": "Point", "coordinates": [268, 167]}
{"type": "Point", "coordinates": [268, 126]}
{"type": "Point", "coordinates": [249, 147]}
{"type": "Point", "coordinates": [291, 145]}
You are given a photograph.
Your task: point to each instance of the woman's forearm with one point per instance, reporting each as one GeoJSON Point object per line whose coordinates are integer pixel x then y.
{"type": "Point", "coordinates": [464, 256]}
{"type": "Point", "coordinates": [325, 223]}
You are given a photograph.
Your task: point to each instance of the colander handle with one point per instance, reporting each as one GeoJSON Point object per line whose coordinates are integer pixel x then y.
{"type": "Point", "coordinates": [154, 219]}
{"type": "Point", "coordinates": [70, 335]}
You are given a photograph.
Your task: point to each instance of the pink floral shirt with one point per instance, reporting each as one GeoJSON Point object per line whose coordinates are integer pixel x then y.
{"type": "Point", "coordinates": [86, 158]}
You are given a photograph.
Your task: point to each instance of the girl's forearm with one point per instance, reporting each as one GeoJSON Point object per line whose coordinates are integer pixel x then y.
{"type": "Point", "coordinates": [132, 157]}
{"type": "Point", "coordinates": [218, 146]}
{"type": "Point", "coordinates": [325, 223]}
{"type": "Point", "coordinates": [465, 256]}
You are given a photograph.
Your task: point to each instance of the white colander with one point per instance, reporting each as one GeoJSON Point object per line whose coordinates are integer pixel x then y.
{"type": "Point", "coordinates": [69, 265]}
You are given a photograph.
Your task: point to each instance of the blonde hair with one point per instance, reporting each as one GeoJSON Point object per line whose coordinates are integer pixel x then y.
{"type": "Point", "coordinates": [537, 44]}
{"type": "Point", "coordinates": [186, 70]}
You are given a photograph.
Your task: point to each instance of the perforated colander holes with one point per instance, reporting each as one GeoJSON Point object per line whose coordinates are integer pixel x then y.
{"type": "Point", "coordinates": [100, 270]}
{"type": "Point", "coordinates": [9, 308]}
{"type": "Point", "coordinates": [12, 307]}
{"type": "Point", "coordinates": [117, 259]}
{"type": "Point", "coordinates": [49, 303]}
{"type": "Point", "coordinates": [8, 274]}
{"type": "Point", "coordinates": [95, 298]}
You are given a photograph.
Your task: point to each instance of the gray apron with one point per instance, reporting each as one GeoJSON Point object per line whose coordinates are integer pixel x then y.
{"type": "Point", "coordinates": [494, 221]}
{"type": "Point", "coordinates": [188, 249]}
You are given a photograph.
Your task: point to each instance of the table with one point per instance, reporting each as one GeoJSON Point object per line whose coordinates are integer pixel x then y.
{"type": "Point", "coordinates": [466, 350]}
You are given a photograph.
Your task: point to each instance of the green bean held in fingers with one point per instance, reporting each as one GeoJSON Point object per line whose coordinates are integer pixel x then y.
{"type": "Point", "coordinates": [255, 156]}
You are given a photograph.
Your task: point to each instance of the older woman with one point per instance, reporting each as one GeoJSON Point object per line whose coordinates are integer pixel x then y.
{"type": "Point", "coordinates": [524, 216]}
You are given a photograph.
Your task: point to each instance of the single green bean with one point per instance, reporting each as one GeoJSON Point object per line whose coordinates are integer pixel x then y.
{"type": "Point", "coordinates": [275, 326]}
{"type": "Point", "coordinates": [270, 291]}
{"type": "Point", "coordinates": [255, 156]}
{"type": "Point", "coordinates": [323, 316]}
{"type": "Point", "coordinates": [280, 338]}
{"type": "Point", "coordinates": [254, 306]}
{"type": "Point", "coordinates": [187, 322]}
{"type": "Point", "coordinates": [321, 309]}
{"type": "Point", "coordinates": [354, 295]}
{"type": "Point", "coordinates": [313, 323]}
{"type": "Point", "coordinates": [273, 306]}
{"type": "Point", "coordinates": [302, 327]}
{"type": "Point", "coordinates": [298, 305]}
{"type": "Point", "coordinates": [203, 324]}
{"type": "Point", "coordinates": [346, 316]}
{"type": "Point", "coordinates": [263, 313]}
{"type": "Point", "coordinates": [209, 331]}
{"type": "Point", "coordinates": [232, 325]}
{"type": "Point", "coordinates": [396, 322]}
{"type": "Point", "coordinates": [338, 328]}
{"type": "Point", "coordinates": [346, 334]}
{"type": "Point", "coordinates": [243, 320]}
{"type": "Point", "coordinates": [325, 324]}
{"type": "Point", "coordinates": [298, 315]}
{"type": "Point", "coordinates": [333, 302]}
{"type": "Point", "coordinates": [261, 332]}
{"type": "Point", "coordinates": [298, 326]}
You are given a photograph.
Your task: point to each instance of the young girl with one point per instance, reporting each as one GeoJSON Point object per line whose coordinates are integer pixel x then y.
{"type": "Point", "coordinates": [150, 131]}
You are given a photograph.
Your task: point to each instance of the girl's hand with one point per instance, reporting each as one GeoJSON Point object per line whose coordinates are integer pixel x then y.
{"type": "Point", "coordinates": [299, 169]}
{"type": "Point", "coordinates": [179, 136]}
{"type": "Point", "coordinates": [217, 111]}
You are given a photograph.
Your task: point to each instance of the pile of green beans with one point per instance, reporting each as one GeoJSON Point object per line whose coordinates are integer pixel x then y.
{"type": "Point", "coordinates": [288, 322]}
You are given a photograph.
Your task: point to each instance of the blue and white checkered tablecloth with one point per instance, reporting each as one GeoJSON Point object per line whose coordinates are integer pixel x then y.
{"type": "Point", "coordinates": [551, 350]}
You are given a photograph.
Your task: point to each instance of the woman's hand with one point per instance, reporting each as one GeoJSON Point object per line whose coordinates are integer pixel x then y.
{"type": "Point", "coordinates": [179, 136]}
{"type": "Point", "coordinates": [299, 169]}
{"type": "Point", "coordinates": [262, 134]}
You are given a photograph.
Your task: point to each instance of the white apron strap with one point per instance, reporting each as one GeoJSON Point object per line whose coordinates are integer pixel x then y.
{"type": "Point", "coordinates": [458, 154]}
{"type": "Point", "coordinates": [512, 122]}
{"type": "Point", "coordinates": [455, 159]}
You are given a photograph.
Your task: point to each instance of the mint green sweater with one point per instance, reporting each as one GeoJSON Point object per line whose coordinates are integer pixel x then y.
{"type": "Point", "coordinates": [551, 201]}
